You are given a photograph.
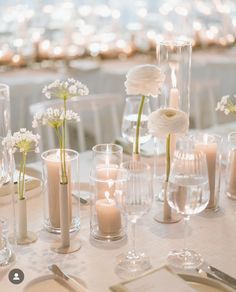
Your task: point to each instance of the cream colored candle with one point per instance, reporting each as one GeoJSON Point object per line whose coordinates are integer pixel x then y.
{"type": "Point", "coordinates": [174, 103]}
{"type": "Point", "coordinates": [53, 182]}
{"type": "Point", "coordinates": [108, 215]}
{"type": "Point", "coordinates": [210, 149]}
{"type": "Point", "coordinates": [106, 176]}
{"type": "Point", "coordinates": [174, 98]}
{"type": "Point", "coordinates": [231, 189]}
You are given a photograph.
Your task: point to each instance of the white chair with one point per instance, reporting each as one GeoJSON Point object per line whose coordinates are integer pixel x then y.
{"type": "Point", "coordinates": [100, 119]}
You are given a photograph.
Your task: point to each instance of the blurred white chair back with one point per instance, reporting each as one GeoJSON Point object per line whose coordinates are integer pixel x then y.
{"type": "Point", "coordinates": [100, 119]}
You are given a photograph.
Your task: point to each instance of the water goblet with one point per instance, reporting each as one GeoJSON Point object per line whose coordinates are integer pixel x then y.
{"type": "Point", "coordinates": [129, 121]}
{"type": "Point", "coordinates": [134, 197]}
{"type": "Point", "coordinates": [188, 194]}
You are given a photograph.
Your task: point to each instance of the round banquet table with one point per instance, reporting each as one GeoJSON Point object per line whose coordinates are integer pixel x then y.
{"type": "Point", "coordinates": [211, 234]}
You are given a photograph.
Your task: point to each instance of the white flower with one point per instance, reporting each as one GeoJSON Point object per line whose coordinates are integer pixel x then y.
{"type": "Point", "coordinates": [65, 89]}
{"type": "Point", "coordinates": [54, 117]}
{"type": "Point", "coordinates": [226, 105]}
{"type": "Point", "coordinates": [24, 141]}
{"type": "Point", "coordinates": [168, 121]}
{"type": "Point", "coordinates": [144, 80]}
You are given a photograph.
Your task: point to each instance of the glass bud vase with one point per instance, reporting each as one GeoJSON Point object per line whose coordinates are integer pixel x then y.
{"type": "Point", "coordinates": [51, 189]}
{"type": "Point", "coordinates": [231, 167]}
{"type": "Point", "coordinates": [107, 223]}
{"type": "Point", "coordinates": [174, 59]}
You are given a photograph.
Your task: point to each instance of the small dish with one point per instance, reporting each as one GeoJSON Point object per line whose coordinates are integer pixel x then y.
{"type": "Point", "coordinates": [50, 283]}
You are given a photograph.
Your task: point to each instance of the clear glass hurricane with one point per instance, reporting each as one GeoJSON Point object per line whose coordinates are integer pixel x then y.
{"type": "Point", "coordinates": [188, 194]}
{"type": "Point", "coordinates": [134, 197]}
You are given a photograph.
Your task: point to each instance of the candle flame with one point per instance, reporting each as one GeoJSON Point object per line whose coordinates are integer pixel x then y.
{"type": "Point", "coordinates": [107, 195]}
{"type": "Point", "coordinates": [173, 77]}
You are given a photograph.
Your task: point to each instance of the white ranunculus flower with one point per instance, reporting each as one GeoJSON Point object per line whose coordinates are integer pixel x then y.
{"type": "Point", "coordinates": [168, 121]}
{"type": "Point", "coordinates": [144, 80]}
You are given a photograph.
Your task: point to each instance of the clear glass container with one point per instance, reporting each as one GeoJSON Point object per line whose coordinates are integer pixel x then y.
{"type": "Point", "coordinates": [130, 116]}
{"type": "Point", "coordinates": [211, 145]}
{"type": "Point", "coordinates": [6, 254]}
{"type": "Point", "coordinates": [5, 121]}
{"type": "Point", "coordinates": [107, 222]}
{"type": "Point", "coordinates": [231, 167]}
{"type": "Point", "coordinates": [51, 182]}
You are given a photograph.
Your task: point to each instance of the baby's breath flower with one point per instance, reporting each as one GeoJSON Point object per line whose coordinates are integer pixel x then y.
{"type": "Point", "coordinates": [65, 89]}
{"type": "Point", "coordinates": [226, 105]}
{"type": "Point", "coordinates": [54, 117]}
{"type": "Point", "coordinates": [24, 141]}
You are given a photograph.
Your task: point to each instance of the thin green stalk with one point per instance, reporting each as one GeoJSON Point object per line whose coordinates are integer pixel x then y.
{"type": "Point", "coordinates": [63, 161]}
{"type": "Point", "coordinates": [140, 110]}
{"type": "Point", "coordinates": [21, 181]}
{"type": "Point", "coordinates": [167, 158]}
{"type": "Point", "coordinates": [61, 146]}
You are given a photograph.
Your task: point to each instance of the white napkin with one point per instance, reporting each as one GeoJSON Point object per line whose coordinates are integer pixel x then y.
{"type": "Point", "coordinates": [162, 279]}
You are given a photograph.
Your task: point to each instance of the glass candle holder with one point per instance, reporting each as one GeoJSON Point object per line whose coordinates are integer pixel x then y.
{"type": "Point", "coordinates": [211, 145]}
{"type": "Point", "coordinates": [107, 223]}
{"type": "Point", "coordinates": [231, 167]}
{"type": "Point", "coordinates": [51, 186]}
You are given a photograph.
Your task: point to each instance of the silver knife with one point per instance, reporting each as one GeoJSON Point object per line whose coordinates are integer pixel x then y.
{"type": "Point", "coordinates": [76, 286]}
{"type": "Point", "coordinates": [223, 275]}
{"type": "Point", "coordinates": [213, 276]}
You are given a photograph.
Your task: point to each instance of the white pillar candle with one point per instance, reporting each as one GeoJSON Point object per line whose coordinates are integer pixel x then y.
{"type": "Point", "coordinates": [53, 182]}
{"type": "Point", "coordinates": [210, 149]}
{"type": "Point", "coordinates": [108, 215]}
{"type": "Point", "coordinates": [174, 103]}
{"type": "Point", "coordinates": [231, 189]}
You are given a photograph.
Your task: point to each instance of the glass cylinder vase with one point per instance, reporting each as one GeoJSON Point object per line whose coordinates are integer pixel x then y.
{"type": "Point", "coordinates": [5, 122]}
{"type": "Point", "coordinates": [211, 145]}
{"type": "Point", "coordinates": [107, 223]}
{"type": "Point", "coordinates": [231, 167]}
{"type": "Point", "coordinates": [51, 187]}
{"type": "Point", "coordinates": [174, 60]}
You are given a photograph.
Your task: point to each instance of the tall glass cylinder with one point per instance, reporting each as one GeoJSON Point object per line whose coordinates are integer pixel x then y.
{"type": "Point", "coordinates": [5, 123]}
{"type": "Point", "coordinates": [51, 188]}
{"type": "Point", "coordinates": [174, 59]}
{"type": "Point", "coordinates": [107, 222]}
{"type": "Point", "coordinates": [231, 167]}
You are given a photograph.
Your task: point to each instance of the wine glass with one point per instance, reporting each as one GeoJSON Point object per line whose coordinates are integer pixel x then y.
{"type": "Point", "coordinates": [188, 193]}
{"type": "Point", "coordinates": [134, 197]}
{"type": "Point", "coordinates": [129, 121]}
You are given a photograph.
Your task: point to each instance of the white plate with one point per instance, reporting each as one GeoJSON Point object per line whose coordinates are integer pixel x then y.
{"type": "Point", "coordinates": [49, 283]}
{"type": "Point", "coordinates": [201, 284]}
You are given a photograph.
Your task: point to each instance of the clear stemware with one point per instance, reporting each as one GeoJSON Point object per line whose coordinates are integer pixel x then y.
{"type": "Point", "coordinates": [188, 194]}
{"type": "Point", "coordinates": [129, 121]}
{"type": "Point", "coordinates": [134, 197]}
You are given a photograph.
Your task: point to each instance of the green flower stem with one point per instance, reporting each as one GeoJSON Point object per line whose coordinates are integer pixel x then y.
{"type": "Point", "coordinates": [136, 142]}
{"type": "Point", "coordinates": [63, 151]}
{"type": "Point", "coordinates": [21, 180]}
{"type": "Point", "coordinates": [167, 158]}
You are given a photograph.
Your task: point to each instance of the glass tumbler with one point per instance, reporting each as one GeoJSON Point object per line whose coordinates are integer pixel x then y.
{"type": "Point", "coordinates": [6, 253]}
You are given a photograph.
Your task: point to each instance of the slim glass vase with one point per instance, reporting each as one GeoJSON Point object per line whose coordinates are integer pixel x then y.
{"type": "Point", "coordinates": [174, 59]}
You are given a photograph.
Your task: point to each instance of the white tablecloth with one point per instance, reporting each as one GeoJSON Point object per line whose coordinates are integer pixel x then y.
{"type": "Point", "coordinates": [211, 234]}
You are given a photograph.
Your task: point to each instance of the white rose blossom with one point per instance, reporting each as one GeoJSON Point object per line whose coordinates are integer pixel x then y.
{"type": "Point", "coordinates": [54, 117]}
{"type": "Point", "coordinates": [168, 121]}
{"type": "Point", "coordinates": [226, 105]}
{"type": "Point", "coordinates": [65, 89]}
{"type": "Point", "coordinates": [145, 80]}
